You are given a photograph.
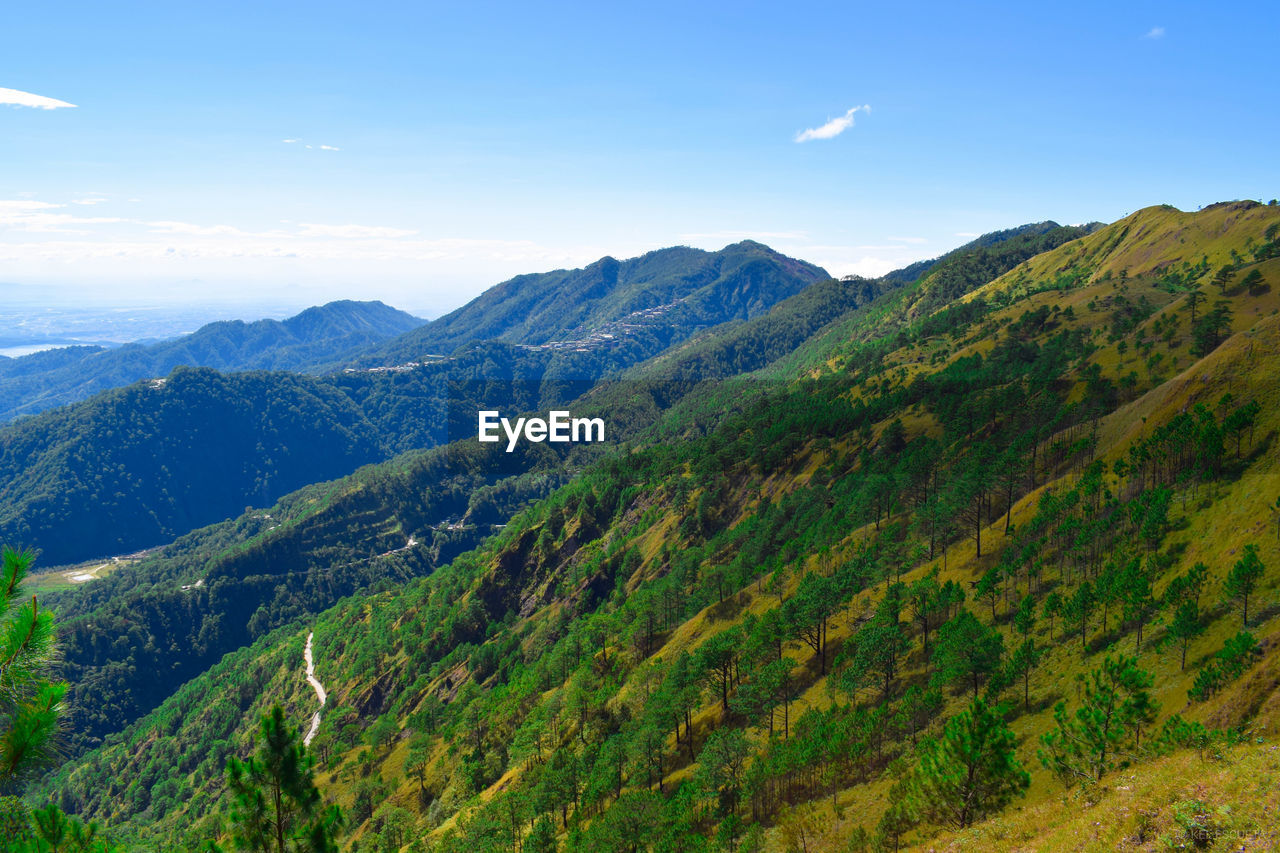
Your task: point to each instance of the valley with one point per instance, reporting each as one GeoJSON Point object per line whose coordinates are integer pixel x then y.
{"type": "Point", "coordinates": [830, 529]}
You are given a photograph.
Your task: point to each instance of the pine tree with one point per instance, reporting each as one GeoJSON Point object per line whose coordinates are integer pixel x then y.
{"type": "Point", "coordinates": [1186, 626]}
{"type": "Point", "coordinates": [277, 806]}
{"type": "Point", "coordinates": [1243, 580]}
{"type": "Point", "coordinates": [53, 831]}
{"type": "Point", "coordinates": [967, 649]}
{"type": "Point", "coordinates": [30, 702]}
{"type": "Point", "coordinates": [1023, 661]}
{"type": "Point", "coordinates": [1139, 603]}
{"type": "Point", "coordinates": [1254, 283]}
{"type": "Point", "coordinates": [1223, 277]}
{"type": "Point", "coordinates": [1115, 704]}
{"type": "Point", "coordinates": [1194, 298]}
{"type": "Point", "coordinates": [970, 771]}
{"type": "Point", "coordinates": [542, 839]}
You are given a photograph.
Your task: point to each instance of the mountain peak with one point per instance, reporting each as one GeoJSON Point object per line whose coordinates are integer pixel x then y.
{"type": "Point", "coordinates": [533, 309]}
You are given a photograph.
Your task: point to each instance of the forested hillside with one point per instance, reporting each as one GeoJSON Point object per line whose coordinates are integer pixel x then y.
{"type": "Point", "coordinates": [663, 296]}
{"type": "Point", "coordinates": [138, 465]}
{"type": "Point", "coordinates": [314, 341]}
{"type": "Point", "coordinates": [300, 556]}
{"type": "Point", "coordinates": [154, 475]}
{"type": "Point", "coordinates": [1002, 532]}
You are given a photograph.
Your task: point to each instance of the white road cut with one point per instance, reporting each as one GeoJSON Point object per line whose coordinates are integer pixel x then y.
{"type": "Point", "coordinates": [319, 688]}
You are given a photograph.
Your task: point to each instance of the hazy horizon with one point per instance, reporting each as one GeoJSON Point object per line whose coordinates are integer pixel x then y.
{"type": "Point", "coordinates": [419, 155]}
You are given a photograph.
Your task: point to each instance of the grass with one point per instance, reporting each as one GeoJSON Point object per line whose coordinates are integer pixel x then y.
{"type": "Point", "coordinates": [67, 577]}
{"type": "Point", "coordinates": [1182, 801]}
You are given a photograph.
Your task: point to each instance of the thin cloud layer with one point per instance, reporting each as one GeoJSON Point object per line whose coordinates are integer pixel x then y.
{"type": "Point", "coordinates": [38, 217]}
{"type": "Point", "coordinates": [833, 128]}
{"type": "Point", "coordinates": [18, 98]}
{"type": "Point", "coordinates": [1155, 33]}
{"type": "Point", "coordinates": [310, 146]}
{"type": "Point", "coordinates": [357, 232]}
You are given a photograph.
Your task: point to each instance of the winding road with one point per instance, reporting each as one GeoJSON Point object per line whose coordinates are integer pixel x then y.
{"type": "Point", "coordinates": [319, 688]}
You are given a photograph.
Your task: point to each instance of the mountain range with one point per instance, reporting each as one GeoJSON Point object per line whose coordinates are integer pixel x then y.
{"type": "Point", "coordinates": [1010, 504]}
{"type": "Point", "coordinates": [310, 342]}
{"type": "Point", "coordinates": [134, 467]}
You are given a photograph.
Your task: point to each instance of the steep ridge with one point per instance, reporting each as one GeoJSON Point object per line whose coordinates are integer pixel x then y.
{"type": "Point", "coordinates": [670, 294]}
{"type": "Point", "coordinates": [311, 342]}
{"type": "Point", "coordinates": [300, 556]}
{"type": "Point", "coordinates": [744, 628]}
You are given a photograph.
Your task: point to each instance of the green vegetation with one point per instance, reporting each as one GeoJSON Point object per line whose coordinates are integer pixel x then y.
{"type": "Point", "coordinates": [667, 295]}
{"type": "Point", "coordinates": [1114, 709]}
{"type": "Point", "coordinates": [30, 701]}
{"type": "Point", "coordinates": [970, 771]}
{"type": "Point", "coordinates": [313, 341]}
{"type": "Point", "coordinates": [135, 467]}
{"type": "Point", "coordinates": [31, 707]}
{"type": "Point", "coordinates": [921, 548]}
{"type": "Point", "coordinates": [276, 805]}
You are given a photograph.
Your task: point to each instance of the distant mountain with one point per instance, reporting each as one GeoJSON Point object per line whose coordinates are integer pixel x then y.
{"type": "Point", "coordinates": [311, 342]}
{"type": "Point", "coordinates": [671, 292]}
{"type": "Point", "coordinates": [137, 466]}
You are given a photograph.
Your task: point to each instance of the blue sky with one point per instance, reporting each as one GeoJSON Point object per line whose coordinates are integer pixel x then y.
{"type": "Point", "coordinates": [440, 148]}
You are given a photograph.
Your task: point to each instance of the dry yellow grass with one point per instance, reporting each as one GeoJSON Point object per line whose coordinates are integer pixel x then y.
{"type": "Point", "coordinates": [1178, 802]}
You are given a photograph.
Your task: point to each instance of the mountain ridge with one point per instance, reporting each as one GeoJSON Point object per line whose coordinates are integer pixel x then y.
{"type": "Point", "coordinates": [313, 340]}
{"type": "Point", "coordinates": [417, 405]}
{"type": "Point", "coordinates": [703, 288]}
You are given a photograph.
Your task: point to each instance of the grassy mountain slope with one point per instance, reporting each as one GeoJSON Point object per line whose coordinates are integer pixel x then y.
{"type": "Point", "coordinates": [272, 565]}
{"type": "Point", "coordinates": [311, 341]}
{"type": "Point", "coordinates": [749, 633]}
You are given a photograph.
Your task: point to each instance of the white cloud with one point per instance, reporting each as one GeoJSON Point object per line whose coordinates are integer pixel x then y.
{"type": "Point", "coordinates": [308, 145]}
{"type": "Point", "coordinates": [90, 198]}
{"type": "Point", "coordinates": [359, 232]}
{"type": "Point", "coordinates": [26, 99]}
{"type": "Point", "coordinates": [169, 227]}
{"type": "Point", "coordinates": [1155, 33]}
{"type": "Point", "coordinates": [17, 207]}
{"type": "Point", "coordinates": [968, 234]}
{"type": "Point", "coordinates": [833, 128]}
{"type": "Point", "coordinates": [908, 239]}
{"type": "Point", "coordinates": [36, 216]}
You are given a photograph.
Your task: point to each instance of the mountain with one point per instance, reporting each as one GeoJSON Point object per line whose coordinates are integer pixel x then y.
{"type": "Point", "coordinates": [670, 293]}
{"type": "Point", "coordinates": [250, 569]}
{"type": "Point", "coordinates": [136, 466]}
{"type": "Point", "coordinates": [313, 341]}
{"type": "Point", "coordinates": [919, 269]}
{"type": "Point", "coordinates": [770, 609]}
{"type": "Point", "coordinates": [122, 469]}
